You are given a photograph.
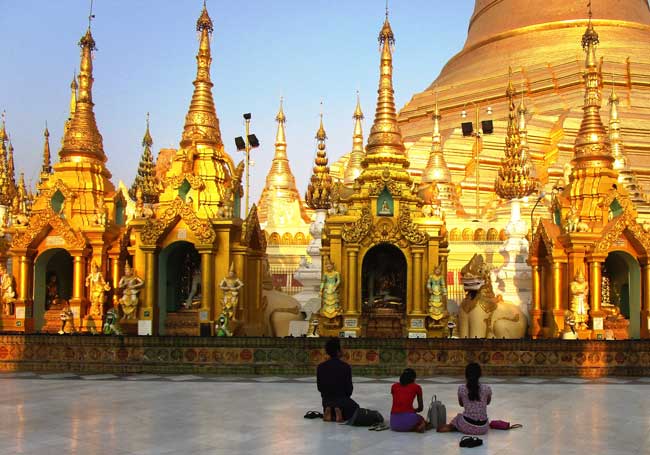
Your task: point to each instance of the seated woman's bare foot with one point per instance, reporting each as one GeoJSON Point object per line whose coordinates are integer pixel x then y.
{"type": "Point", "coordinates": [339, 415]}
{"type": "Point", "coordinates": [327, 415]}
{"type": "Point", "coordinates": [421, 427]}
{"type": "Point", "coordinates": [428, 426]}
{"type": "Point", "coordinates": [446, 428]}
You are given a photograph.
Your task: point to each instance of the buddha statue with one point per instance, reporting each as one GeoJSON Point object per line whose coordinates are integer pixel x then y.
{"type": "Point", "coordinates": [437, 287]}
{"type": "Point", "coordinates": [579, 305]}
{"type": "Point", "coordinates": [329, 292]}
{"type": "Point", "coordinates": [130, 284]}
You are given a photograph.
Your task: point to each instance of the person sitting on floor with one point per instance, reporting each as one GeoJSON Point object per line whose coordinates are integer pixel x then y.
{"type": "Point", "coordinates": [403, 417]}
{"type": "Point", "coordinates": [334, 381]}
{"type": "Point", "coordinates": [474, 398]}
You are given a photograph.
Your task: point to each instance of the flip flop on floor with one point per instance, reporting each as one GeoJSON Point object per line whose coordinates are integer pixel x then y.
{"type": "Point", "coordinates": [470, 441]}
{"type": "Point", "coordinates": [516, 425]}
{"type": "Point", "coordinates": [313, 415]}
{"type": "Point", "coordinates": [379, 427]}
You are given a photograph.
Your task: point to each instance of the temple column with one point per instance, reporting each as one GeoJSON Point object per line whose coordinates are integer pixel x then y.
{"type": "Point", "coordinates": [24, 304]}
{"type": "Point", "coordinates": [207, 285]}
{"type": "Point", "coordinates": [418, 283]}
{"type": "Point", "coordinates": [351, 306]}
{"type": "Point", "coordinates": [148, 308]}
{"type": "Point", "coordinates": [535, 324]}
{"type": "Point", "coordinates": [645, 299]}
{"type": "Point", "coordinates": [559, 298]}
{"type": "Point", "coordinates": [78, 284]}
{"type": "Point", "coordinates": [115, 277]}
{"type": "Point", "coordinates": [595, 284]}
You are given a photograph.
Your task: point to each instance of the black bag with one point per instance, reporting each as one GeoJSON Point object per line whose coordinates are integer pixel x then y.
{"type": "Point", "coordinates": [365, 418]}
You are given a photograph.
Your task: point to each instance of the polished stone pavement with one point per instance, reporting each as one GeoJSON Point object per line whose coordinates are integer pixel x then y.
{"type": "Point", "coordinates": [153, 414]}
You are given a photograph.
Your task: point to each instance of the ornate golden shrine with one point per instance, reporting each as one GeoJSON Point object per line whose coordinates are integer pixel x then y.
{"type": "Point", "coordinates": [197, 222]}
{"type": "Point", "coordinates": [593, 222]}
{"type": "Point", "coordinates": [380, 238]}
{"type": "Point", "coordinates": [76, 220]}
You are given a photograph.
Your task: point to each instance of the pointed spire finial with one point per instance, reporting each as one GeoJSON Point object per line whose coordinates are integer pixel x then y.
{"type": "Point", "coordinates": [281, 118]}
{"type": "Point", "coordinates": [320, 134]}
{"type": "Point", "coordinates": [318, 194]}
{"type": "Point", "coordinates": [147, 140]}
{"type": "Point", "coordinates": [3, 128]}
{"type": "Point", "coordinates": [91, 16]}
{"type": "Point", "coordinates": [280, 136]}
{"type": "Point", "coordinates": [386, 33]}
{"type": "Point", "coordinates": [354, 167]}
{"type": "Point", "coordinates": [358, 113]}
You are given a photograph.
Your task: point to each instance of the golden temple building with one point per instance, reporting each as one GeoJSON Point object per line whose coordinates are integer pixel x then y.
{"type": "Point", "coordinates": [591, 268]}
{"type": "Point", "coordinates": [179, 260]}
{"type": "Point", "coordinates": [281, 211]}
{"type": "Point", "coordinates": [379, 245]}
{"type": "Point", "coordinates": [539, 42]}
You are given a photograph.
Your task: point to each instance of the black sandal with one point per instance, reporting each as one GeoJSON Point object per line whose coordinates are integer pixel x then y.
{"type": "Point", "coordinates": [313, 415]}
{"type": "Point", "coordinates": [470, 441]}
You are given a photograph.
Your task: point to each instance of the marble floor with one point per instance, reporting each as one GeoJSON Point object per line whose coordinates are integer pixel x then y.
{"type": "Point", "coordinates": [151, 414]}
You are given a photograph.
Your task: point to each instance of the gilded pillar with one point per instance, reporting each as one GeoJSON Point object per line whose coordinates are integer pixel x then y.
{"type": "Point", "coordinates": [25, 291]}
{"type": "Point", "coordinates": [115, 277]}
{"type": "Point", "coordinates": [558, 286]}
{"type": "Point", "coordinates": [351, 304]}
{"type": "Point", "coordinates": [207, 284]}
{"type": "Point", "coordinates": [78, 277]}
{"type": "Point", "coordinates": [645, 299]}
{"type": "Point", "coordinates": [594, 286]}
{"type": "Point", "coordinates": [537, 288]}
{"type": "Point", "coordinates": [149, 298]}
{"type": "Point", "coordinates": [418, 288]}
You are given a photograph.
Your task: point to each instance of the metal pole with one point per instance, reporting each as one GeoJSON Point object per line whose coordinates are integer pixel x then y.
{"type": "Point", "coordinates": [248, 173]}
{"type": "Point", "coordinates": [477, 135]}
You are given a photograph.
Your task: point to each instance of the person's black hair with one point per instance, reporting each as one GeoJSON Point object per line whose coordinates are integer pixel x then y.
{"type": "Point", "coordinates": [472, 375]}
{"type": "Point", "coordinates": [333, 347]}
{"type": "Point", "coordinates": [407, 377]}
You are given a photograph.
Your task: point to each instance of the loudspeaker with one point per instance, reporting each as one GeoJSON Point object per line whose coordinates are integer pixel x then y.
{"type": "Point", "coordinates": [252, 140]}
{"type": "Point", "coordinates": [239, 142]}
{"type": "Point", "coordinates": [487, 126]}
{"type": "Point", "coordinates": [467, 128]}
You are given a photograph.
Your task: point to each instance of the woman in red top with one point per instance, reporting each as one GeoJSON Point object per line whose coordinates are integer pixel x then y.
{"type": "Point", "coordinates": [403, 417]}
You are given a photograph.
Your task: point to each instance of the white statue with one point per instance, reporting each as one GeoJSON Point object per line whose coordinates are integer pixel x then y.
{"type": "Point", "coordinates": [130, 284]}
{"type": "Point", "coordinates": [8, 293]}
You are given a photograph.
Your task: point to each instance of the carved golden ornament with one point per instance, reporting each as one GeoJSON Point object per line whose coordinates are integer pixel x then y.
{"type": "Point", "coordinates": [541, 236]}
{"type": "Point", "coordinates": [409, 229]}
{"type": "Point", "coordinates": [154, 230]}
{"type": "Point", "coordinates": [623, 200]}
{"type": "Point", "coordinates": [251, 230]}
{"type": "Point", "coordinates": [175, 181]}
{"type": "Point", "coordinates": [614, 232]}
{"type": "Point", "coordinates": [355, 232]}
{"type": "Point", "coordinates": [39, 221]}
{"type": "Point", "coordinates": [391, 185]}
{"type": "Point", "coordinates": [385, 231]}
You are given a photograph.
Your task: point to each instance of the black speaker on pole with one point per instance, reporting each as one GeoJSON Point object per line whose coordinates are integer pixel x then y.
{"type": "Point", "coordinates": [467, 128]}
{"type": "Point", "coordinates": [487, 126]}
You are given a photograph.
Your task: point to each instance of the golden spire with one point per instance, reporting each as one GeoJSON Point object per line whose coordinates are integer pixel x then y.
{"type": "Point", "coordinates": [522, 111]}
{"type": "Point", "coordinates": [280, 181]}
{"type": "Point", "coordinates": [318, 194]}
{"type": "Point", "coordinates": [11, 170]}
{"type": "Point", "coordinates": [385, 146]}
{"type": "Point", "coordinates": [201, 122]}
{"type": "Point", "coordinates": [145, 179]}
{"type": "Point", "coordinates": [73, 95]}
{"type": "Point", "coordinates": [436, 170]}
{"type": "Point", "coordinates": [516, 175]}
{"type": "Point", "coordinates": [354, 167]}
{"type": "Point", "coordinates": [591, 144]}
{"type": "Point", "coordinates": [46, 170]}
{"type": "Point", "coordinates": [5, 190]}
{"type": "Point", "coordinates": [616, 144]}
{"type": "Point", "coordinates": [23, 198]}
{"type": "Point", "coordinates": [82, 139]}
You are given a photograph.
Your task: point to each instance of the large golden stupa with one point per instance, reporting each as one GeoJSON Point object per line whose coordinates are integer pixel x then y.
{"type": "Point", "coordinates": [540, 41]}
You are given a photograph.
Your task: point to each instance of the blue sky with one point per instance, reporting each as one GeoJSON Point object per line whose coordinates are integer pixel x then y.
{"type": "Point", "coordinates": [303, 50]}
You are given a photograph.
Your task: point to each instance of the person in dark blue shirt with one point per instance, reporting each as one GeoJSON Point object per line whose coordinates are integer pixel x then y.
{"type": "Point", "coordinates": [334, 381]}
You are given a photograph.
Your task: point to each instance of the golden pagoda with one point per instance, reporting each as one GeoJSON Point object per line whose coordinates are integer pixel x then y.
{"type": "Point", "coordinates": [195, 237]}
{"type": "Point", "coordinates": [63, 253]}
{"type": "Point", "coordinates": [378, 245]}
{"type": "Point", "coordinates": [280, 209]}
{"type": "Point", "coordinates": [145, 187]}
{"type": "Point", "coordinates": [593, 238]}
{"type": "Point", "coordinates": [538, 41]}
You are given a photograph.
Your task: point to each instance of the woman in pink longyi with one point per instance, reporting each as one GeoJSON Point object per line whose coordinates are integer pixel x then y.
{"type": "Point", "coordinates": [474, 398]}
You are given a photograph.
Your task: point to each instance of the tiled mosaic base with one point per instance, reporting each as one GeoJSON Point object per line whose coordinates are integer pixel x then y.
{"type": "Point", "coordinates": [299, 356]}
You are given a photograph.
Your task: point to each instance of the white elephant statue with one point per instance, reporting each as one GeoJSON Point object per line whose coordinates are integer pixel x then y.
{"type": "Point", "coordinates": [482, 314]}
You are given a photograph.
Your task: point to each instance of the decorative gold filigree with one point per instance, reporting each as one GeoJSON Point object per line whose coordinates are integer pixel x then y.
{"type": "Point", "coordinates": [625, 222]}
{"type": "Point", "coordinates": [252, 234]}
{"type": "Point", "coordinates": [40, 221]}
{"type": "Point", "coordinates": [409, 229]}
{"type": "Point", "coordinates": [355, 232]}
{"type": "Point", "coordinates": [154, 230]}
{"type": "Point", "coordinates": [391, 185]}
{"type": "Point", "coordinates": [175, 181]}
{"type": "Point", "coordinates": [385, 231]}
